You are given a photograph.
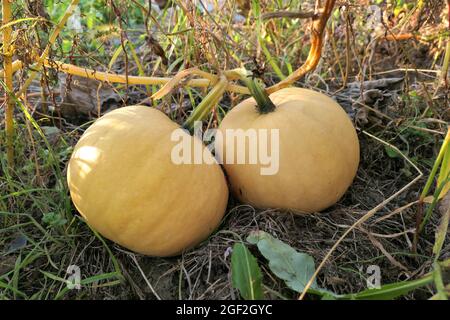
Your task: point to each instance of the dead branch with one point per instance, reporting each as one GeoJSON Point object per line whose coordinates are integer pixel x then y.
{"type": "Point", "coordinates": [289, 14]}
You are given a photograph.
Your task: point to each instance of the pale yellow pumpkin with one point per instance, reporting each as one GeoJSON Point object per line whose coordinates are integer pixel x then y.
{"type": "Point", "coordinates": [318, 152]}
{"type": "Point", "coordinates": [124, 183]}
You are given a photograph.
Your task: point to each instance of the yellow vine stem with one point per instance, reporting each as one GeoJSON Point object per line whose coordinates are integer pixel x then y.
{"type": "Point", "coordinates": [119, 78]}
{"type": "Point", "coordinates": [315, 51]}
{"type": "Point", "coordinates": [16, 65]}
{"type": "Point", "coordinates": [135, 80]}
{"type": "Point", "coordinates": [51, 41]}
{"type": "Point", "coordinates": [169, 86]}
{"type": "Point", "coordinates": [8, 75]}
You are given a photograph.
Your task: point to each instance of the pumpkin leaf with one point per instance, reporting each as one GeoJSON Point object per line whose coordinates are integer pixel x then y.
{"type": "Point", "coordinates": [295, 268]}
{"type": "Point", "coordinates": [245, 273]}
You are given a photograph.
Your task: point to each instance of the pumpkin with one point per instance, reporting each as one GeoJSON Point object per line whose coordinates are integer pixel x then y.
{"type": "Point", "coordinates": [124, 183]}
{"type": "Point", "coordinates": [318, 150]}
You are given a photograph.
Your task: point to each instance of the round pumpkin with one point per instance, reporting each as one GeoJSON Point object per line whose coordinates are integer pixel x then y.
{"type": "Point", "coordinates": [124, 183]}
{"type": "Point", "coordinates": [318, 151]}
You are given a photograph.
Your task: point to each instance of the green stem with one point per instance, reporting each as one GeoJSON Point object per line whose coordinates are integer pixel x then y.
{"type": "Point", "coordinates": [439, 282]}
{"type": "Point", "coordinates": [263, 102]}
{"type": "Point", "coordinates": [435, 168]}
{"type": "Point", "coordinates": [445, 166]}
{"type": "Point", "coordinates": [207, 104]}
{"type": "Point", "coordinates": [433, 204]}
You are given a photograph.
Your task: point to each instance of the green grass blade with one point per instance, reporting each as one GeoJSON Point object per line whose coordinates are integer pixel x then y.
{"type": "Point", "coordinates": [246, 274]}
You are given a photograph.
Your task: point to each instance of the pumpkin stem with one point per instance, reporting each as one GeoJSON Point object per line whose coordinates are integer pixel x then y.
{"type": "Point", "coordinates": [263, 102]}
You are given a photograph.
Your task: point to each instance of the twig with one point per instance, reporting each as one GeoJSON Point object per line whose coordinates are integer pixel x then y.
{"type": "Point", "coordinates": [383, 250]}
{"type": "Point", "coordinates": [396, 211]}
{"type": "Point", "coordinates": [178, 78]}
{"type": "Point", "coordinates": [415, 36]}
{"type": "Point", "coordinates": [289, 14]}
{"type": "Point", "coordinates": [133, 257]}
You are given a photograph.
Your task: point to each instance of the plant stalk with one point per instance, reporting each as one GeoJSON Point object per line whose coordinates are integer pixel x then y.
{"type": "Point", "coordinates": [440, 192]}
{"type": "Point", "coordinates": [207, 104]}
{"type": "Point", "coordinates": [263, 103]}
{"type": "Point", "coordinates": [315, 51]}
{"type": "Point", "coordinates": [435, 168]}
{"type": "Point", "coordinates": [8, 74]}
{"type": "Point", "coordinates": [51, 41]}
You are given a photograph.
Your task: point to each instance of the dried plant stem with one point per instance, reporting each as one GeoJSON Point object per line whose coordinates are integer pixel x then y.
{"type": "Point", "coordinates": [51, 41]}
{"type": "Point", "coordinates": [315, 51]}
{"type": "Point", "coordinates": [288, 14]}
{"type": "Point", "coordinates": [415, 36]}
{"type": "Point", "coordinates": [445, 66]}
{"type": "Point", "coordinates": [133, 257]}
{"type": "Point", "coordinates": [8, 74]}
{"type": "Point", "coordinates": [180, 76]}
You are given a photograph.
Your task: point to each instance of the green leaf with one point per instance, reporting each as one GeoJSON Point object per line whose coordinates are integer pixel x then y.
{"type": "Point", "coordinates": [390, 291]}
{"type": "Point", "coordinates": [295, 268]}
{"type": "Point", "coordinates": [245, 273]}
{"type": "Point", "coordinates": [391, 152]}
{"type": "Point", "coordinates": [445, 167]}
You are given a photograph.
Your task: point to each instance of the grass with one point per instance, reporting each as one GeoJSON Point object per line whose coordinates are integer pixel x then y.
{"type": "Point", "coordinates": [41, 234]}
